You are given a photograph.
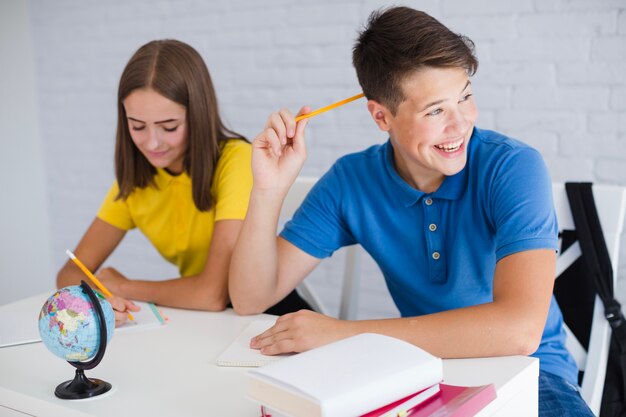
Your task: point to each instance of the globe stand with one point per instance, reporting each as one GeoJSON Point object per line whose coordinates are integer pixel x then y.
{"type": "Point", "coordinates": [82, 387]}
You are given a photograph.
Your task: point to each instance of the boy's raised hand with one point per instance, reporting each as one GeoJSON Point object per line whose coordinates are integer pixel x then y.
{"type": "Point", "coordinates": [279, 152]}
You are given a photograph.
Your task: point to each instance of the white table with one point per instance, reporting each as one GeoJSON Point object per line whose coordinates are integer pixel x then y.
{"type": "Point", "coordinates": [171, 371]}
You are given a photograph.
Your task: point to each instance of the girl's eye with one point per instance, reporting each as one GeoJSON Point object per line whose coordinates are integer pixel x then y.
{"type": "Point", "coordinates": [172, 129]}
{"type": "Point", "coordinates": [434, 112]}
{"type": "Point", "coordinates": [466, 97]}
{"type": "Point", "coordinates": [137, 128]}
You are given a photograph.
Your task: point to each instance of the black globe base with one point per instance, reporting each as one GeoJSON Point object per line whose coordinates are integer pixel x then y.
{"type": "Point", "coordinates": [81, 387]}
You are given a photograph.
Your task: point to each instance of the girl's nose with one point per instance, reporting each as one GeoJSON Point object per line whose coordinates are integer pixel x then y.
{"type": "Point", "coordinates": [153, 140]}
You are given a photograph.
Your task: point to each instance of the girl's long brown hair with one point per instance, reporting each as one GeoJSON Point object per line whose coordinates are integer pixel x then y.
{"type": "Point", "coordinates": [176, 71]}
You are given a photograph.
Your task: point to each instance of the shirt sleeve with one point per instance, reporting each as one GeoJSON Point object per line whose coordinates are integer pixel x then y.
{"type": "Point", "coordinates": [522, 205]}
{"type": "Point", "coordinates": [116, 212]}
{"type": "Point", "coordinates": [318, 227]}
{"type": "Point", "coordinates": [233, 181]}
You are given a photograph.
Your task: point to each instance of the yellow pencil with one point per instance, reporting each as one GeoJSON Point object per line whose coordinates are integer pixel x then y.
{"type": "Point", "coordinates": [92, 277]}
{"type": "Point", "coordinates": [329, 107]}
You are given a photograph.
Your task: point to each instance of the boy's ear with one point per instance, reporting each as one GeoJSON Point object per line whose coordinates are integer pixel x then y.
{"type": "Point", "coordinates": [380, 114]}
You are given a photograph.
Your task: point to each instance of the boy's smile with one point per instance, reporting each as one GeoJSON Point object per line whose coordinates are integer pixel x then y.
{"type": "Point", "coordinates": [431, 127]}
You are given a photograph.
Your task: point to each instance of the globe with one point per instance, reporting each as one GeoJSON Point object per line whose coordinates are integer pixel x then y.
{"type": "Point", "coordinates": [76, 324]}
{"type": "Point", "coordinates": [68, 324]}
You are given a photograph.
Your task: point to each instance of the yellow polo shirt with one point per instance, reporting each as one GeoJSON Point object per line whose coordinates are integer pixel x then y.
{"type": "Point", "coordinates": [167, 216]}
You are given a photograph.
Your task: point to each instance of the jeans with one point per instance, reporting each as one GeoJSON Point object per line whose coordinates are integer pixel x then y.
{"type": "Point", "coordinates": [559, 398]}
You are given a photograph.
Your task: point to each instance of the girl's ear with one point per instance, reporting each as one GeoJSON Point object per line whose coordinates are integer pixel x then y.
{"type": "Point", "coordinates": [380, 114]}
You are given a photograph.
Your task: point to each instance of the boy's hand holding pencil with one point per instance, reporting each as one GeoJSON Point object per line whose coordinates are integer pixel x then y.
{"type": "Point", "coordinates": [279, 151]}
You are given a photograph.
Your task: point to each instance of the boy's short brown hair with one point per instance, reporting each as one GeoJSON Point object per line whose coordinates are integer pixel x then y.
{"type": "Point", "coordinates": [398, 41]}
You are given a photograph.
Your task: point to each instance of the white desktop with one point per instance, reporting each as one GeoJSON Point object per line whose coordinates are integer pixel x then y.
{"type": "Point", "coordinates": [170, 370]}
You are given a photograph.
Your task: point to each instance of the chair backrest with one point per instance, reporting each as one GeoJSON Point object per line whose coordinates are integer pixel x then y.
{"type": "Point", "coordinates": [611, 205]}
{"type": "Point", "coordinates": [349, 293]}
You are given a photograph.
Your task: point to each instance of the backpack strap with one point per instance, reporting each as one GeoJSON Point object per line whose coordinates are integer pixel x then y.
{"type": "Point", "coordinates": [597, 259]}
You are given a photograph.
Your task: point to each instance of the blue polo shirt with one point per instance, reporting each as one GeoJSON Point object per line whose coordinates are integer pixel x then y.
{"type": "Point", "coordinates": [438, 251]}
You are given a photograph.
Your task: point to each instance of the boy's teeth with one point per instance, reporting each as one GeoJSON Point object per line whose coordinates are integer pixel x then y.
{"type": "Point", "coordinates": [450, 147]}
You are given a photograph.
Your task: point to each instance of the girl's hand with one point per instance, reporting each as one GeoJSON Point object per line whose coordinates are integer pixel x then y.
{"type": "Point", "coordinates": [279, 152]}
{"type": "Point", "coordinates": [121, 307]}
{"type": "Point", "coordinates": [113, 280]}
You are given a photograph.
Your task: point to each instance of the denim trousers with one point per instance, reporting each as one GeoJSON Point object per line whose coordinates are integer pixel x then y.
{"type": "Point", "coordinates": [559, 398]}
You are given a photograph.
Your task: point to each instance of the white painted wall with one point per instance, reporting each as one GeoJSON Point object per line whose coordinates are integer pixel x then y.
{"type": "Point", "coordinates": [551, 73]}
{"type": "Point", "coordinates": [25, 263]}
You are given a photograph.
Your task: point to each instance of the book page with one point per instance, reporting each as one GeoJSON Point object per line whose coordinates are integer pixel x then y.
{"type": "Point", "coordinates": [239, 353]}
{"type": "Point", "coordinates": [19, 323]}
{"type": "Point", "coordinates": [15, 330]}
{"type": "Point", "coordinates": [148, 316]}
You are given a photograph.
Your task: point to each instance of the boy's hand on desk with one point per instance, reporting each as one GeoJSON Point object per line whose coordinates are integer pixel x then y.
{"type": "Point", "coordinates": [121, 307]}
{"type": "Point", "coordinates": [300, 331]}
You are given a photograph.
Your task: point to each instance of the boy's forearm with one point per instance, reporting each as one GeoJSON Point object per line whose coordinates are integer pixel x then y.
{"type": "Point", "coordinates": [254, 267]}
{"type": "Point", "coordinates": [476, 331]}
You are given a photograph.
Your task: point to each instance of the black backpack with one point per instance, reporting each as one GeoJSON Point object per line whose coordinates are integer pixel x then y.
{"type": "Point", "coordinates": [576, 291]}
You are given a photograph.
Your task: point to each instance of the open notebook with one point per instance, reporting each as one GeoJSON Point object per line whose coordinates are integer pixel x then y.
{"type": "Point", "coordinates": [239, 353]}
{"type": "Point", "coordinates": [19, 320]}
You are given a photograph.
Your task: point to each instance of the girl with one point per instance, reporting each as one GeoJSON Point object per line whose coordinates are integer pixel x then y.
{"type": "Point", "coordinates": [183, 179]}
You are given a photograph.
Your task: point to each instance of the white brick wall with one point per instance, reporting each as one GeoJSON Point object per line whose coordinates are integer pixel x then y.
{"type": "Point", "coordinates": [552, 73]}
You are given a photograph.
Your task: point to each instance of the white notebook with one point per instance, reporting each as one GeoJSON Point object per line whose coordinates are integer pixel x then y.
{"type": "Point", "coordinates": [239, 353]}
{"type": "Point", "coordinates": [19, 323]}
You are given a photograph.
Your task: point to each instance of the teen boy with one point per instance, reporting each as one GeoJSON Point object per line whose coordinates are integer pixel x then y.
{"type": "Point", "coordinates": [460, 220]}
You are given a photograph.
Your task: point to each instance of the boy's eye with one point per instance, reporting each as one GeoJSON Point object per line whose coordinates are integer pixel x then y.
{"type": "Point", "coordinates": [466, 97]}
{"type": "Point", "coordinates": [434, 112]}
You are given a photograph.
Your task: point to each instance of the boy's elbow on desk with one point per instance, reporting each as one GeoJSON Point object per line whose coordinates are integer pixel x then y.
{"type": "Point", "coordinates": [246, 304]}
{"type": "Point", "coordinates": [245, 309]}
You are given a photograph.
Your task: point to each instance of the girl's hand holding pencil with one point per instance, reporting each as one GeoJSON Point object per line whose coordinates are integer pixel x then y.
{"type": "Point", "coordinates": [121, 307]}
{"type": "Point", "coordinates": [114, 280]}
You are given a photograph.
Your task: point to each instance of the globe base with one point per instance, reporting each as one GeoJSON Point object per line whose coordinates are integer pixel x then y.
{"type": "Point", "coordinates": [81, 387]}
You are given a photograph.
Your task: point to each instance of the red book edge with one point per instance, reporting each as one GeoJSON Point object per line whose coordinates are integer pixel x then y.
{"type": "Point", "coordinates": [450, 401]}
{"type": "Point", "coordinates": [382, 410]}
{"type": "Point", "coordinates": [456, 401]}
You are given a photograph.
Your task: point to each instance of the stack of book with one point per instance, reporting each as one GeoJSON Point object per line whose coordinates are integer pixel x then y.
{"type": "Point", "coordinates": [365, 375]}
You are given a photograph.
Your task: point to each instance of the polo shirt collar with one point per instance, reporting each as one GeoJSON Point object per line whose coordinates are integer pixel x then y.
{"type": "Point", "coordinates": [163, 178]}
{"type": "Point", "coordinates": [452, 187]}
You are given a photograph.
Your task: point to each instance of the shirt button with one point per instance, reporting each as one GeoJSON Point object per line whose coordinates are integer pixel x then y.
{"type": "Point", "coordinates": [428, 201]}
{"type": "Point", "coordinates": [436, 255]}
{"type": "Point", "coordinates": [432, 227]}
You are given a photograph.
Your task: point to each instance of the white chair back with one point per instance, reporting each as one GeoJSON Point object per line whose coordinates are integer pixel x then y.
{"type": "Point", "coordinates": [349, 294]}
